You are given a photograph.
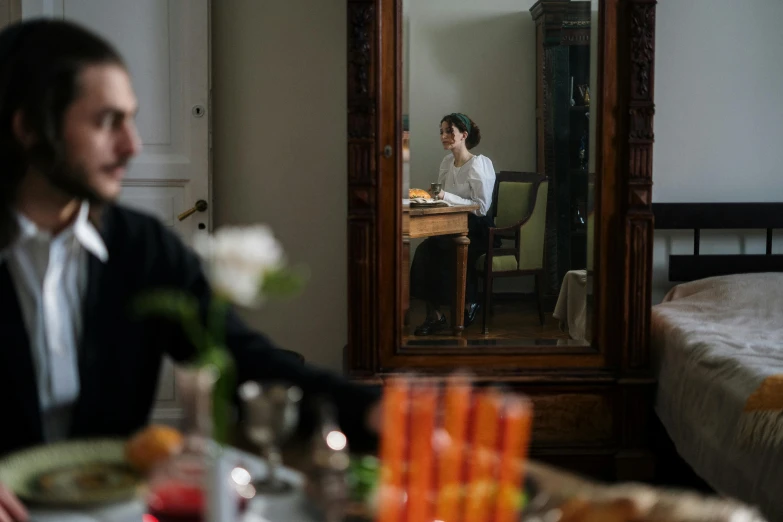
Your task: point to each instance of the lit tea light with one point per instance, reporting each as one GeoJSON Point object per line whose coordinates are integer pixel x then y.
{"type": "Point", "coordinates": [336, 440]}
{"type": "Point", "coordinates": [241, 476]}
{"type": "Point", "coordinates": [247, 492]}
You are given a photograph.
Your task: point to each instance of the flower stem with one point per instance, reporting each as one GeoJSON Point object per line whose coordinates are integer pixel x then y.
{"type": "Point", "coordinates": [216, 320]}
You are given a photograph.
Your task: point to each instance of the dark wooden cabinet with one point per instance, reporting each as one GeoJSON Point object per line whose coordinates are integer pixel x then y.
{"type": "Point", "coordinates": [593, 401]}
{"type": "Point", "coordinates": [563, 30]}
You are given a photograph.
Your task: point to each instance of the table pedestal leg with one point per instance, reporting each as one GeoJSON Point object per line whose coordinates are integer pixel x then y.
{"type": "Point", "coordinates": [405, 268]}
{"type": "Point", "coordinates": [458, 308]}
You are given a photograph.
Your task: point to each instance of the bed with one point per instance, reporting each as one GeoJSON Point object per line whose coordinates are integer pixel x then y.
{"type": "Point", "coordinates": [717, 349]}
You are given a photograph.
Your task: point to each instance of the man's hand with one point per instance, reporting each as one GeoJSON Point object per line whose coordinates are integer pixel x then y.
{"type": "Point", "coordinates": [11, 510]}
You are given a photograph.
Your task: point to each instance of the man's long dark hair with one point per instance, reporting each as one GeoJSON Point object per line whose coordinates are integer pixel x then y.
{"type": "Point", "coordinates": [40, 64]}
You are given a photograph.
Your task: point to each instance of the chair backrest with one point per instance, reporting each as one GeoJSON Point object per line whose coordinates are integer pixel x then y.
{"type": "Point", "coordinates": [522, 196]}
{"type": "Point", "coordinates": [533, 232]}
{"type": "Point", "coordinates": [513, 196]}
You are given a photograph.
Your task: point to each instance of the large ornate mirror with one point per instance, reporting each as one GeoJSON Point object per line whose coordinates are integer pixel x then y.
{"type": "Point", "coordinates": [496, 101]}
{"type": "Point", "coordinates": [528, 247]}
{"type": "Point", "coordinates": [552, 206]}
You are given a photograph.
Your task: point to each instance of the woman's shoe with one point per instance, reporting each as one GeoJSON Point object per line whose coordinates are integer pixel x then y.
{"type": "Point", "coordinates": [470, 313]}
{"type": "Point", "coordinates": [431, 325]}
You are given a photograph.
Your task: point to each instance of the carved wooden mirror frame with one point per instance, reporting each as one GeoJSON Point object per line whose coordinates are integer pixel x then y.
{"type": "Point", "coordinates": [624, 231]}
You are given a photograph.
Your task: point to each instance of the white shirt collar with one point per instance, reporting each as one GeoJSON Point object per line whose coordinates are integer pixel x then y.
{"type": "Point", "coordinates": [83, 230]}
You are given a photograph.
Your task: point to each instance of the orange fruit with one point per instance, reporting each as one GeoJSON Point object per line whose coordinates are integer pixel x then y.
{"type": "Point", "coordinates": [151, 446]}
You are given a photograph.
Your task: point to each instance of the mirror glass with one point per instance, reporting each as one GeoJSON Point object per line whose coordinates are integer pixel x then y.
{"type": "Point", "coordinates": [498, 172]}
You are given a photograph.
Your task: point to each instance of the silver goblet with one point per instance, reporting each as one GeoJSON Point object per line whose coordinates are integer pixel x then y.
{"type": "Point", "coordinates": [271, 416]}
{"type": "Point", "coordinates": [327, 487]}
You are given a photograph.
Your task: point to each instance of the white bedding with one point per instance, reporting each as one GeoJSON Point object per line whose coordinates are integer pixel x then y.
{"type": "Point", "coordinates": [718, 355]}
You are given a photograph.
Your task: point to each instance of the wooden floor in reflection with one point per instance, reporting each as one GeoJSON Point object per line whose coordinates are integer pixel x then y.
{"type": "Point", "coordinates": [513, 321]}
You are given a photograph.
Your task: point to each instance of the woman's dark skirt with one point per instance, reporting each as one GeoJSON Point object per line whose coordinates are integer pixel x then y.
{"type": "Point", "coordinates": [433, 268]}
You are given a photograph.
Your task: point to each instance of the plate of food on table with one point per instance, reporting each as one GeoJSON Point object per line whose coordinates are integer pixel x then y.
{"type": "Point", "coordinates": [88, 472]}
{"type": "Point", "coordinates": [422, 198]}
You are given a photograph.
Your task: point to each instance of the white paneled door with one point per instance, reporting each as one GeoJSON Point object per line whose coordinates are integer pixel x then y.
{"type": "Point", "coordinates": [165, 44]}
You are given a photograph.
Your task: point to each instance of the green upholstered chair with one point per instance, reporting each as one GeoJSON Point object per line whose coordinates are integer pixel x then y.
{"type": "Point", "coordinates": [519, 206]}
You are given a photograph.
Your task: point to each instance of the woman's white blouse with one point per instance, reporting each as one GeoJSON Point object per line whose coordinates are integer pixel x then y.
{"type": "Point", "coordinates": [470, 184]}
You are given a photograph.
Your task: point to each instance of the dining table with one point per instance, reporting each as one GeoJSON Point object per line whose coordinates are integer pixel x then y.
{"type": "Point", "coordinates": [425, 220]}
{"type": "Point", "coordinates": [290, 506]}
{"type": "Point", "coordinates": [554, 488]}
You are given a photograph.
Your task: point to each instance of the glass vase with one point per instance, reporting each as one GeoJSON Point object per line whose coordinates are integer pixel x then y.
{"type": "Point", "coordinates": [192, 486]}
{"type": "Point", "coordinates": [223, 387]}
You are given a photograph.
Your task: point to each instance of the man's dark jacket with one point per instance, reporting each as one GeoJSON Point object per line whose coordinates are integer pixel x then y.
{"type": "Point", "coordinates": [120, 354]}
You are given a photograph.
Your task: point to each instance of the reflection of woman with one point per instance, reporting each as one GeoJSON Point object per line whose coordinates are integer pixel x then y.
{"type": "Point", "coordinates": [466, 180]}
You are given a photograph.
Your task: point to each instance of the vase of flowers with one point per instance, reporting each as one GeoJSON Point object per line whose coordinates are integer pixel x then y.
{"type": "Point", "coordinates": [245, 267]}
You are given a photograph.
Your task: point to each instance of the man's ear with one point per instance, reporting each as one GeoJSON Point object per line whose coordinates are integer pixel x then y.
{"type": "Point", "coordinates": [25, 136]}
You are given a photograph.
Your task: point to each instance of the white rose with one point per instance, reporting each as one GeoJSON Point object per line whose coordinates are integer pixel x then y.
{"type": "Point", "coordinates": [237, 259]}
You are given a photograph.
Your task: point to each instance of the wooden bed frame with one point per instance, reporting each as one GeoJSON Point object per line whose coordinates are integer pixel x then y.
{"type": "Point", "coordinates": [719, 216]}
{"type": "Point", "coordinates": [671, 469]}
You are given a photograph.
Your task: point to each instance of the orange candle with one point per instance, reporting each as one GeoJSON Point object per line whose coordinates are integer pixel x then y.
{"type": "Point", "coordinates": [516, 441]}
{"type": "Point", "coordinates": [394, 432]}
{"type": "Point", "coordinates": [424, 399]}
{"type": "Point", "coordinates": [484, 457]}
{"type": "Point", "coordinates": [450, 448]}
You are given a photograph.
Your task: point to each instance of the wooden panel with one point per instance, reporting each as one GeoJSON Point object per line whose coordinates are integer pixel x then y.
{"type": "Point", "coordinates": [607, 256]}
{"type": "Point", "coordinates": [640, 26]}
{"type": "Point", "coordinates": [638, 268]}
{"type": "Point", "coordinates": [572, 419]}
{"type": "Point", "coordinates": [362, 187]}
{"type": "Point", "coordinates": [361, 288]}
{"type": "Point", "coordinates": [361, 200]}
{"type": "Point", "coordinates": [634, 415]}
{"type": "Point", "coordinates": [596, 464]}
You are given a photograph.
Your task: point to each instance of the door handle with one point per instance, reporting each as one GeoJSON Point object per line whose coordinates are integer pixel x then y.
{"type": "Point", "coordinates": [200, 206]}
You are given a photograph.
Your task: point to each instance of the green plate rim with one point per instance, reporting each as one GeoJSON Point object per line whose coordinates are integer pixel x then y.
{"type": "Point", "coordinates": [106, 449]}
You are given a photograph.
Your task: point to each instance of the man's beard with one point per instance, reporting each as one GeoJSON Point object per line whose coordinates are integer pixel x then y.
{"type": "Point", "coordinates": [69, 177]}
{"type": "Point", "coordinates": [72, 180]}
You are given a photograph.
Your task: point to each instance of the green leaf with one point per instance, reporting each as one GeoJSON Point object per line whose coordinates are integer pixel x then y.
{"type": "Point", "coordinates": [284, 282]}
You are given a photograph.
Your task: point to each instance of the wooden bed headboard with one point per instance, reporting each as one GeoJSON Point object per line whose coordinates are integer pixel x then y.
{"type": "Point", "coordinates": [719, 216]}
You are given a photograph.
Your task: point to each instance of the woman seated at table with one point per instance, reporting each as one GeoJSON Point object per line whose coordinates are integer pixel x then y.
{"type": "Point", "coordinates": [466, 179]}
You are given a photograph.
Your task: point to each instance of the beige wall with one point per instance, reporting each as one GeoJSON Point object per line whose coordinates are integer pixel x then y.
{"type": "Point", "coordinates": [279, 96]}
{"type": "Point", "coordinates": [718, 118]}
{"type": "Point", "coordinates": [478, 58]}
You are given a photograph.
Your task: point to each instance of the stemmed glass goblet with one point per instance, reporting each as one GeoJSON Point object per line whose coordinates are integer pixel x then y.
{"type": "Point", "coordinates": [271, 416]}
